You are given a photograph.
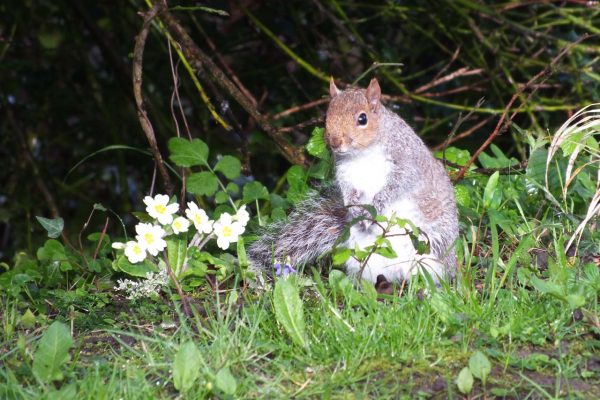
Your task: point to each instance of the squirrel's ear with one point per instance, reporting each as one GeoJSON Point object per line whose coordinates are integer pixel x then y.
{"type": "Point", "coordinates": [373, 93]}
{"type": "Point", "coordinates": [333, 90]}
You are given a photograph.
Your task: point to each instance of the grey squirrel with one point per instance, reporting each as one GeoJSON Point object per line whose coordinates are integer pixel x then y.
{"type": "Point", "coordinates": [379, 161]}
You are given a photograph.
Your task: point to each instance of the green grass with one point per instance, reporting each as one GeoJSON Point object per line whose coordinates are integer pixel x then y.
{"type": "Point", "coordinates": [358, 347]}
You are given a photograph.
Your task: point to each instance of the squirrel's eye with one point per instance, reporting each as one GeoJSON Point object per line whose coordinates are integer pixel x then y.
{"type": "Point", "coordinates": [362, 119]}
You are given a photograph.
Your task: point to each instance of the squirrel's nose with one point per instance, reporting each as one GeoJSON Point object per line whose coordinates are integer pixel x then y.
{"type": "Point", "coordinates": [335, 142]}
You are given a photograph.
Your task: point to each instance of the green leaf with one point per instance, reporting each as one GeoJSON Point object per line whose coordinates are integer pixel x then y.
{"type": "Point", "coordinates": [27, 319]}
{"type": "Point", "coordinates": [54, 227]}
{"type": "Point", "coordinates": [229, 166]}
{"type": "Point", "coordinates": [490, 188]}
{"type": "Point", "coordinates": [316, 145]}
{"type": "Point", "coordinates": [254, 191]}
{"type": "Point", "coordinates": [52, 352]}
{"type": "Point", "coordinates": [480, 366]}
{"type": "Point", "coordinates": [288, 309]}
{"type": "Point", "coordinates": [52, 250]}
{"type": "Point", "coordinates": [176, 251]}
{"type": "Point", "coordinates": [465, 380]}
{"type": "Point", "coordinates": [202, 183]}
{"type": "Point", "coordinates": [241, 253]}
{"type": "Point", "coordinates": [454, 155]}
{"type": "Point", "coordinates": [186, 366]}
{"type": "Point", "coordinates": [140, 269]}
{"type": "Point", "coordinates": [463, 196]}
{"type": "Point", "coordinates": [221, 197]}
{"type": "Point", "coordinates": [341, 255]}
{"type": "Point", "coordinates": [225, 382]}
{"type": "Point", "coordinates": [188, 154]}
{"type": "Point", "coordinates": [232, 188]}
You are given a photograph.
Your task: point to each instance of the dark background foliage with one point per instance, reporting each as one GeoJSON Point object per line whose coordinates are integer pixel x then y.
{"type": "Point", "coordinates": [66, 90]}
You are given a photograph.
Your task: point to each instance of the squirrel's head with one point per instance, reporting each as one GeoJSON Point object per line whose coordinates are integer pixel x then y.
{"type": "Point", "coordinates": [352, 118]}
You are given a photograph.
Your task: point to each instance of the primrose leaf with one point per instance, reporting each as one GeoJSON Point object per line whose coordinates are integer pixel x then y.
{"type": "Point", "coordinates": [480, 366]}
{"type": "Point", "coordinates": [316, 145]}
{"type": "Point", "coordinates": [225, 382]}
{"type": "Point", "coordinates": [186, 366]}
{"type": "Point", "coordinates": [288, 309]}
{"type": "Point", "coordinates": [465, 380]}
{"type": "Point", "coordinates": [490, 188]}
{"type": "Point", "coordinates": [140, 269]}
{"type": "Point", "coordinates": [177, 250]}
{"type": "Point", "coordinates": [52, 352]}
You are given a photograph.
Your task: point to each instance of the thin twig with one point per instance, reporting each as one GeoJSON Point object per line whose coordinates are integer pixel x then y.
{"type": "Point", "coordinates": [299, 108]}
{"type": "Point", "coordinates": [465, 71]}
{"type": "Point", "coordinates": [138, 54]}
{"type": "Point", "coordinates": [201, 61]}
{"type": "Point", "coordinates": [503, 122]}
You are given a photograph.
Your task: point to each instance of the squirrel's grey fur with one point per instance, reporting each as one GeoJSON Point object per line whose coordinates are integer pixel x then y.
{"type": "Point", "coordinates": [309, 231]}
{"type": "Point", "coordinates": [380, 162]}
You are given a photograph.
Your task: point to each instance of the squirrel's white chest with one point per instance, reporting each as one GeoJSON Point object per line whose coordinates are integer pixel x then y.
{"type": "Point", "coordinates": [366, 173]}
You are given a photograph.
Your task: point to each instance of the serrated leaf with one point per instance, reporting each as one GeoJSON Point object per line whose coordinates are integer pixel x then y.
{"type": "Point", "coordinates": [465, 380]}
{"type": "Point", "coordinates": [54, 227]}
{"type": "Point", "coordinates": [232, 188]}
{"type": "Point", "coordinates": [288, 310]}
{"type": "Point", "coordinates": [490, 189]}
{"type": "Point", "coordinates": [221, 197]}
{"type": "Point", "coordinates": [254, 191]}
{"type": "Point", "coordinates": [229, 166]}
{"type": "Point", "coordinates": [188, 154]}
{"type": "Point", "coordinates": [202, 183]}
{"type": "Point", "coordinates": [186, 366]}
{"type": "Point", "coordinates": [480, 366]}
{"type": "Point", "coordinates": [225, 382]}
{"type": "Point", "coordinates": [177, 251]}
{"type": "Point", "coordinates": [140, 269]}
{"type": "Point", "coordinates": [52, 352]}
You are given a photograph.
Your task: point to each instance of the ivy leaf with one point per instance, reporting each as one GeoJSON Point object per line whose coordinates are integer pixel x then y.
{"type": "Point", "coordinates": [288, 309]}
{"type": "Point", "coordinates": [229, 166]}
{"type": "Point", "coordinates": [465, 380]}
{"type": "Point", "coordinates": [254, 191]}
{"type": "Point", "coordinates": [480, 366]}
{"type": "Point", "coordinates": [202, 183]}
{"type": "Point", "coordinates": [186, 366]}
{"type": "Point", "coordinates": [52, 352]}
{"type": "Point", "coordinates": [225, 382]}
{"type": "Point", "coordinates": [188, 154]}
{"type": "Point", "coordinates": [53, 226]}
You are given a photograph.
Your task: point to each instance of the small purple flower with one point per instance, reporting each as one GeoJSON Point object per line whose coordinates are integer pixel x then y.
{"type": "Point", "coordinates": [284, 268]}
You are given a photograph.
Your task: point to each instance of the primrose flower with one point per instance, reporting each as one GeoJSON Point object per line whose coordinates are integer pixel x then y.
{"type": "Point", "coordinates": [242, 216]}
{"type": "Point", "coordinates": [158, 207]}
{"type": "Point", "coordinates": [227, 231]}
{"type": "Point", "coordinates": [284, 269]}
{"type": "Point", "coordinates": [150, 238]}
{"type": "Point", "coordinates": [199, 218]}
{"type": "Point", "coordinates": [134, 252]}
{"type": "Point", "coordinates": [180, 224]}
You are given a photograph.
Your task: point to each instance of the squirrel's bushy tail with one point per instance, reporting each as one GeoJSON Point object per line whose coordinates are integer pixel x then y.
{"type": "Point", "coordinates": [311, 230]}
